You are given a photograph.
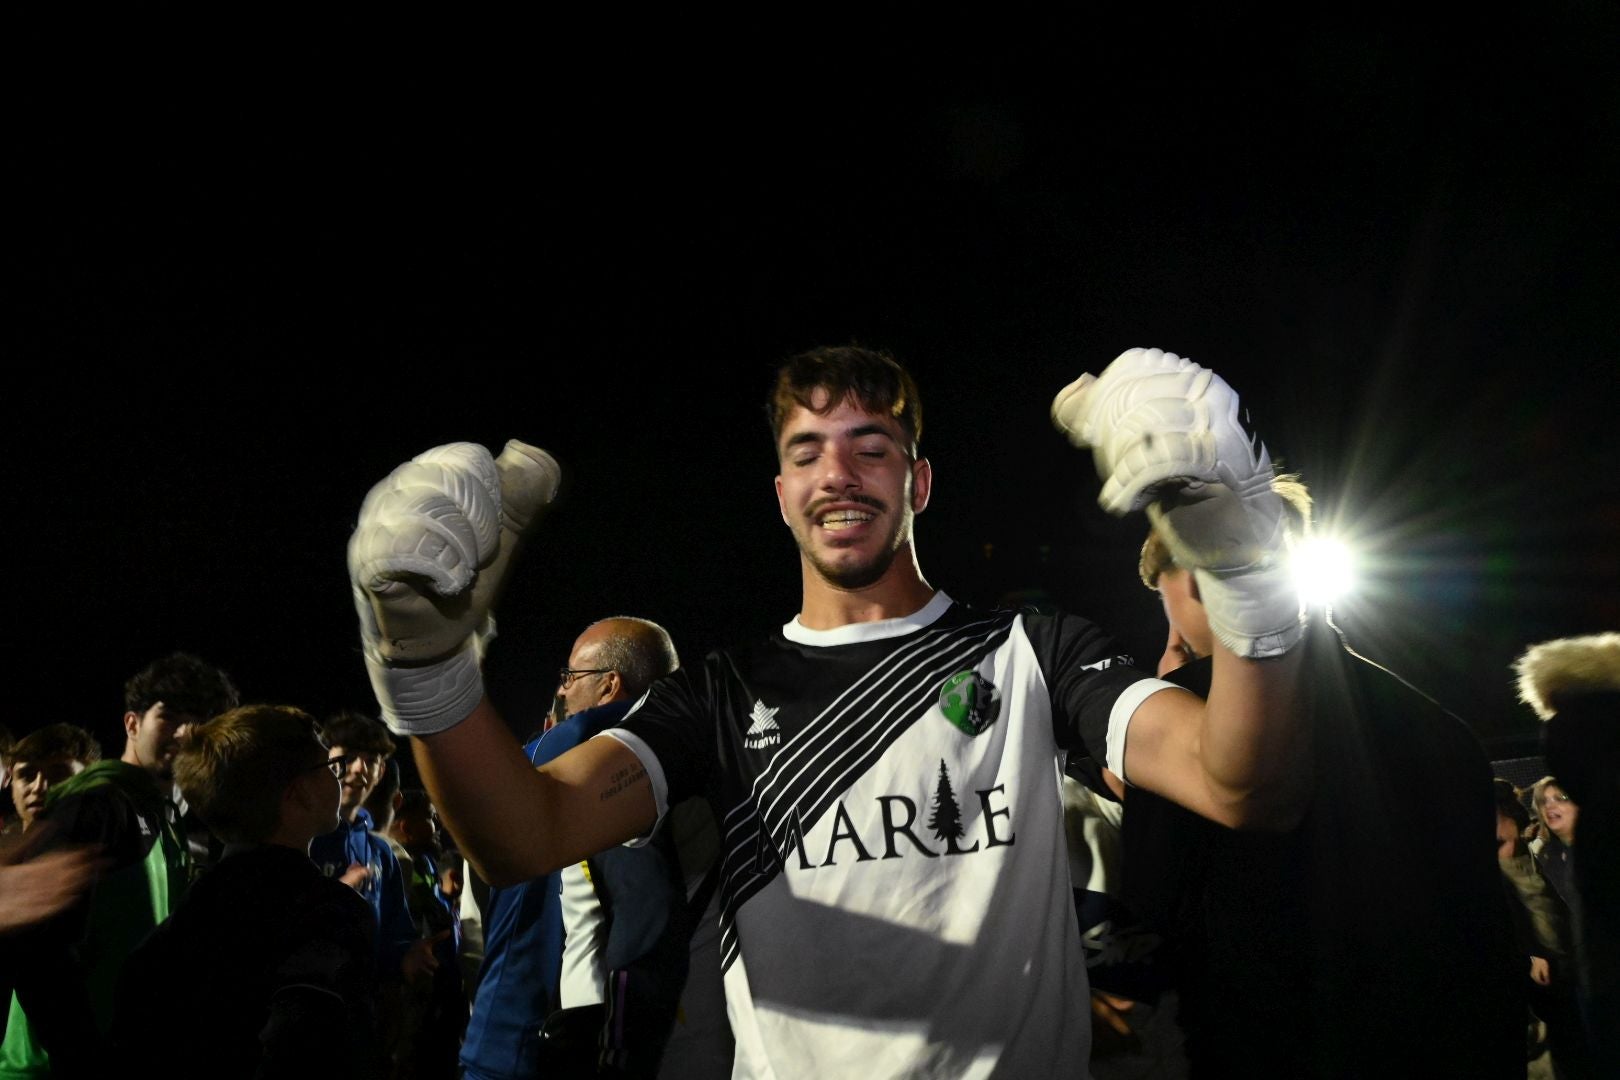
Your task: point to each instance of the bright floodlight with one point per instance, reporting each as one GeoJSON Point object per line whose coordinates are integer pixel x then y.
{"type": "Point", "coordinates": [1323, 571]}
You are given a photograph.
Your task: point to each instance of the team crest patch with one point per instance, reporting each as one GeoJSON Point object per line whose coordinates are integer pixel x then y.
{"type": "Point", "coordinates": [970, 701]}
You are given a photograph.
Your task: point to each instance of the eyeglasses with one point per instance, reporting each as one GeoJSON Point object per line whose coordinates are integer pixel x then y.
{"type": "Point", "coordinates": [337, 765]}
{"type": "Point", "coordinates": [1553, 796]}
{"type": "Point", "coordinates": [567, 676]}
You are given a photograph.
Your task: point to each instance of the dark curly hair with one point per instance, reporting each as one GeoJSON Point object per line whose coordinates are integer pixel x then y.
{"type": "Point", "coordinates": [183, 683]}
{"type": "Point", "coordinates": [357, 733]}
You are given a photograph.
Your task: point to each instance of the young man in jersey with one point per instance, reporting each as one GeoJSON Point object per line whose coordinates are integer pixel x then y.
{"type": "Point", "coordinates": [885, 768]}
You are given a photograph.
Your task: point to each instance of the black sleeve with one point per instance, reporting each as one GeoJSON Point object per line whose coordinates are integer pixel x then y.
{"type": "Point", "coordinates": [1085, 672]}
{"type": "Point", "coordinates": [677, 720]}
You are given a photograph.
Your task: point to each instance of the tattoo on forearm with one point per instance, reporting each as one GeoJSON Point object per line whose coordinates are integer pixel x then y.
{"type": "Point", "coordinates": [622, 781]}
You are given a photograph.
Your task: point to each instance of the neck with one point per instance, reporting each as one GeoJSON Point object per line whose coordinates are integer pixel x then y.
{"type": "Point", "coordinates": [349, 813]}
{"type": "Point", "coordinates": [133, 757]}
{"type": "Point", "coordinates": [290, 836]}
{"type": "Point", "coordinates": [901, 591]}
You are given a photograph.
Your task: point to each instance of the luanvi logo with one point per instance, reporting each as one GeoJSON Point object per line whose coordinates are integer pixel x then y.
{"type": "Point", "coordinates": [898, 821]}
{"type": "Point", "coordinates": [970, 701]}
{"type": "Point", "coordinates": [763, 731]}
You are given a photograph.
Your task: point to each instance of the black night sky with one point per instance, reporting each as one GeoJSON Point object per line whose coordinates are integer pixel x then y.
{"type": "Point", "coordinates": [263, 270]}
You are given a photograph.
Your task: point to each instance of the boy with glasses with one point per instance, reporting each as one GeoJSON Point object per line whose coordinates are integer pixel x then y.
{"type": "Point", "coordinates": [352, 852]}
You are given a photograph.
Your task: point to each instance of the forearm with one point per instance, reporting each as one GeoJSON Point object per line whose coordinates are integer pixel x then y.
{"type": "Point", "coordinates": [1238, 758]}
{"type": "Point", "coordinates": [514, 822]}
{"type": "Point", "coordinates": [1253, 738]}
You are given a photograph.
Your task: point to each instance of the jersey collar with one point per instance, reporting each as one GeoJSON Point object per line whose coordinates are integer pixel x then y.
{"type": "Point", "coordinates": [869, 631]}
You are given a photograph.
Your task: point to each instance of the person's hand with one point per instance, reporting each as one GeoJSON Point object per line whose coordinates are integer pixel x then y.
{"type": "Point", "coordinates": [35, 887]}
{"type": "Point", "coordinates": [1110, 1010]}
{"type": "Point", "coordinates": [427, 559]}
{"type": "Point", "coordinates": [418, 964]}
{"type": "Point", "coordinates": [357, 876]}
{"type": "Point", "coordinates": [1540, 971]}
{"type": "Point", "coordinates": [1167, 437]}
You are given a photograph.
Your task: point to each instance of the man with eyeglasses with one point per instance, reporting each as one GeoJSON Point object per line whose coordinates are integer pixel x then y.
{"type": "Point", "coordinates": [604, 937]}
{"type": "Point", "coordinates": [271, 963]}
{"type": "Point", "coordinates": [358, 747]}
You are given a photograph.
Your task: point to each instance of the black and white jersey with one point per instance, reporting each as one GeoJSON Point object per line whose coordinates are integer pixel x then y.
{"type": "Point", "coordinates": [895, 888]}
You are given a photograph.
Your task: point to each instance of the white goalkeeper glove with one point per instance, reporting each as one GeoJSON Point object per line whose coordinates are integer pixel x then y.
{"type": "Point", "coordinates": [1166, 438]}
{"type": "Point", "coordinates": [427, 560]}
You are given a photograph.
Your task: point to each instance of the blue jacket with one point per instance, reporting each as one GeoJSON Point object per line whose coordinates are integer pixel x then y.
{"type": "Point", "coordinates": [354, 842]}
{"type": "Point", "coordinates": [517, 985]}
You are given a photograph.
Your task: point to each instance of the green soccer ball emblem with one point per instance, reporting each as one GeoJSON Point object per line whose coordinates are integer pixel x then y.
{"type": "Point", "coordinates": [970, 701]}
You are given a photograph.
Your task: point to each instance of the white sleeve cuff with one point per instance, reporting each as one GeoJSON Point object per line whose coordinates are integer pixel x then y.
{"type": "Point", "coordinates": [655, 776]}
{"type": "Point", "coordinates": [1119, 720]}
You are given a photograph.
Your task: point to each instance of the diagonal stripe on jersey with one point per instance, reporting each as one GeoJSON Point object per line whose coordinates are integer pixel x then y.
{"type": "Point", "coordinates": [821, 762]}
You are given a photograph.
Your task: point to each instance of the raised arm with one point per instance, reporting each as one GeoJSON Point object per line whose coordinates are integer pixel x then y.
{"type": "Point", "coordinates": [1237, 758]}
{"type": "Point", "coordinates": [1167, 439]}
{"type": "Point", "coordinates": [515, 822]}
{"type": "Point", "coordinates": [429, 555]}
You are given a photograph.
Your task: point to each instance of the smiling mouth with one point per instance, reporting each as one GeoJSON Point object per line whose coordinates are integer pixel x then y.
{"type": "Point", "coordinates": [845, 519]}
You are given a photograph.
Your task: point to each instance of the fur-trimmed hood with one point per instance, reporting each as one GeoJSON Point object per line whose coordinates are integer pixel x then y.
{"type": "Point", "coordinates": [1553, 672]}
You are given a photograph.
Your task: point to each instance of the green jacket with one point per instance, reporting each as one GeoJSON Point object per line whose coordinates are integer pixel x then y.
{"type": "Point", "coordinates": [67, 982]}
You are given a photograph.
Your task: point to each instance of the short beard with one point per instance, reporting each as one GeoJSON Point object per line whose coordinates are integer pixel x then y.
{"type": "Point", "coordinates": [855, 577]}
{"type": "Point", "coordinates": [851, 578]}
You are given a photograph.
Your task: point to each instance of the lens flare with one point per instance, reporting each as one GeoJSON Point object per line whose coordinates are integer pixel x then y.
{"type": "Point", "coordinates": [1324, 571]}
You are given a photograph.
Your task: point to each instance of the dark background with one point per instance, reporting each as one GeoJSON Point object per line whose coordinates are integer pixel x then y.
{"type": "Point", "coordinates": [263, 264]}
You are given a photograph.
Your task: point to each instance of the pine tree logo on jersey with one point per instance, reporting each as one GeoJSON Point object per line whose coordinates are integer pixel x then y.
{"type": "Point", "coordinates": [946, 818]}
{"type": "Point", "coordinates": [970, 701]}
{"type": "Point", "coordinates": [763, 731]}
{"type": "Point", "coordinates": [897, 829]}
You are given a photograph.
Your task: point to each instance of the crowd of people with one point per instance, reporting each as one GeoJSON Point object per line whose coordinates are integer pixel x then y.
{"type": "Point", "coordinates": [899, 836]}
{"type": "Point", "coordinates": [248, 891]}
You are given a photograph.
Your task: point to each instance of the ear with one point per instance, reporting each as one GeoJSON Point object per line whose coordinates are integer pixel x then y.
{"type": "Point", "coordinates": [398, 800]}
{"type": "Point", "coordinates": [922, 484]}
{"type": "Point", "coordinates": [781, 506]}
{"type": "Point", "coordinates": [294, 797]}
{"type": "Point", "coordinates": [612, 686]}
{"type": "Point", "coordinates": [132, 724]}
{"type": "Point", "coordinates": [1192, 587]}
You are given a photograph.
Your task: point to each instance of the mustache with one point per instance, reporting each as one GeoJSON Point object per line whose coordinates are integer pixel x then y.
{"type": "Point", "coordinates": [869, 501]}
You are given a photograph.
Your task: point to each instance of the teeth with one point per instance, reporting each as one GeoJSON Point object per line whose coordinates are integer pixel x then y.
{"type": "Point", "coordinates": [843, 519]}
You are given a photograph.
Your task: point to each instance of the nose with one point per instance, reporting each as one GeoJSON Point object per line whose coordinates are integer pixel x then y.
{"type": "Point", "coordinates": [838, 472]}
